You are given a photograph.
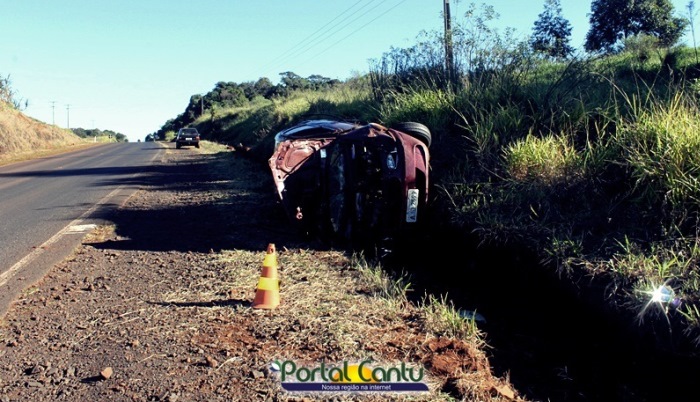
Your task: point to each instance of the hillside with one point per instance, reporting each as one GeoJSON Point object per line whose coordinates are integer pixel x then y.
{"type": "Point", "coordinates": [21, 136]}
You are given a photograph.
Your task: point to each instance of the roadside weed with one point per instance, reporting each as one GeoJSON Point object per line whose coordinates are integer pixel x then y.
{"type": "Point", "coordinates": [443, 319]}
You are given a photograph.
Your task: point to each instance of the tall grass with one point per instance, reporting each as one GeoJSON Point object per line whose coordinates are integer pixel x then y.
{"type": "Point", "coordinates": [661, 143]}
{"type": "Point", "coordinates": [430, 107]}
{"type": "Point", "coordinates": [623, 164]}
{"type": "Point", "coordinates": [548, 160]}
{"type": "Point", "coordinates": [444, 319]}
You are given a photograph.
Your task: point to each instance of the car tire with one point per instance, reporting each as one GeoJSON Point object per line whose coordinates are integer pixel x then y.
{"type": "Point", "coordinates": [415, 130]}
{"type": "Point", "coordinates": [196, 145]}
{"type": "Point", "coordinates": [178, 146]}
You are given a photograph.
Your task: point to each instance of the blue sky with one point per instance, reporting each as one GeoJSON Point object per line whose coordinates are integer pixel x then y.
{"type": "Point", "coordinates": [130, 65]}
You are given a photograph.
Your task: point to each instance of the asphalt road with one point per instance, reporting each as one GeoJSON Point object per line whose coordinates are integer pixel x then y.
{"type": "Point", "coordinates": [47, 205]}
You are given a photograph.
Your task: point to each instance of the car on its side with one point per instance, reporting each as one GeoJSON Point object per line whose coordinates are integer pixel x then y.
{"type": "Point", "coordinates": [360, 185]}
{"type": "Point", "coordinates": [187, 137]}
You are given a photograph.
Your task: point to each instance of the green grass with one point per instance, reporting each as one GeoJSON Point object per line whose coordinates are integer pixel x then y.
{"type": "Point", "coordinates": [661, 146]}
{"type": "Point", "coordinates": [169, 135]}
{"type": "Point", "coordinates": [547, 159]}
{"type": "Point", "coordinates": [393, 290]}
{"type": "Point", "coordinates": [432, 108]}
{"type": "Point", "coordinates": [443, 319]}
{"type": "Point", "coordinates": [623, 161]}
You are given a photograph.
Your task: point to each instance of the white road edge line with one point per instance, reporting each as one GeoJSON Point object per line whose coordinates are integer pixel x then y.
{"type": "Point", "coordinates": [69, 229]}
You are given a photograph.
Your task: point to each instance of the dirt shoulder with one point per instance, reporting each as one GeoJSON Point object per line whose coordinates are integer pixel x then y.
{"type": "Point", "coordinates": [157, 305]}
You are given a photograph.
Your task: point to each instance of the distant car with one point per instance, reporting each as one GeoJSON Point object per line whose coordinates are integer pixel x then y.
{"type": "Point", "coordinates": [361, 185]}
{"type": "Point", "coordinates": [187, 137]}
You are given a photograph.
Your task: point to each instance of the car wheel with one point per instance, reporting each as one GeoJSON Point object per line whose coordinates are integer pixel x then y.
{"type": "Point", "coordinates": [196, 145]}
{"type": "Point", "coordinates": [415, 130]}
{"type": "Point", "coordinates": [178, 146]}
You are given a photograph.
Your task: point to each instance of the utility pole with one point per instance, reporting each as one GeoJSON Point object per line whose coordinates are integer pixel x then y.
{"type": "Point", "coordinates": [68, 116]}
{"type": "Point", "coordinates": [691, 19]}
{"type": "Point", "coordinates": [201, 105]}
{"type": "Point", "coordinates": [449, 55]}
{"type": "Point", "coordinates": [53, 113]}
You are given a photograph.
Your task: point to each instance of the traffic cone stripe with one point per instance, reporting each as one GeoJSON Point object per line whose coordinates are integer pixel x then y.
{"type": "Point", "coordinates": [270, 260]}
{"type": "Point", "coordinates": [268, 284]}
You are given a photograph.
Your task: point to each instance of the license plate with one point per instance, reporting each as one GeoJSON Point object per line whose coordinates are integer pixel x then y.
{"type": "Point", "coordinates": [412, 205]}
{"type": "Point", "coordinates": [188, 139]}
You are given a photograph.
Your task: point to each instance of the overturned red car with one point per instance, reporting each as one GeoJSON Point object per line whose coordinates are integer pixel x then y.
{"type": "Point", "coordinates": [360, 185]}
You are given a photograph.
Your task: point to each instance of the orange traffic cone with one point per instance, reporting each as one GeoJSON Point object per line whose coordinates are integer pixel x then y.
{"type": "Point", "coordinates": [267, 295]}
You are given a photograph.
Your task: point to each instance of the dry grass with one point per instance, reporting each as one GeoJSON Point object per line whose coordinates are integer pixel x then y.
{"type": "Point", "coordinates": [23, 138]}
{"type": "Point", "coordinates": [337, 308]}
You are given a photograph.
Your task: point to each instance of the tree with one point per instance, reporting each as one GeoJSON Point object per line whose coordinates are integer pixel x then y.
{"type": "Point", "coordinates": [612, 21]}
{"type": "Point", "coordinates": [293, 81]}
{"type": "Point", "coordinates": [263, 87]}
{"type": "Point", "coordinates": [228, 94]}
{"type": "Point", "coordinates": [552, 32]}
{"type": "Point", "coordinates": [248, 88]}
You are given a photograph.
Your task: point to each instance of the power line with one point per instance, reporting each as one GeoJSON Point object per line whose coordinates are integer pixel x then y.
{"type": "Point", "coordinates": [290, 50]}
{"type": "Point", "coordinates": [358, 29]}
{"type": "Point", "coordinates": [308, 47]}
{"type": "Point", "coordinates": [336, 29]}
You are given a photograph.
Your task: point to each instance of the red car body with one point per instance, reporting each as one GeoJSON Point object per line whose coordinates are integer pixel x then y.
{"type": "Point", "coordinates": [362, 185]}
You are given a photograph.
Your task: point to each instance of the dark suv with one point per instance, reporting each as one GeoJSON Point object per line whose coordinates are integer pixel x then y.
{"type": "Point", "coordinates": [187, 137]}
{"type": "Point", "coordinates": [362, 185]}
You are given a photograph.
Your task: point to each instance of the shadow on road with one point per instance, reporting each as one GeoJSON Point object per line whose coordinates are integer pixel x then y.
{"type": "Point", "coordinates": [192, 205]}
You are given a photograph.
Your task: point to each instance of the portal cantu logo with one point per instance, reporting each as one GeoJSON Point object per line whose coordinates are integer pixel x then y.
{"type": "Point", "coordinates": [349, 377]}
